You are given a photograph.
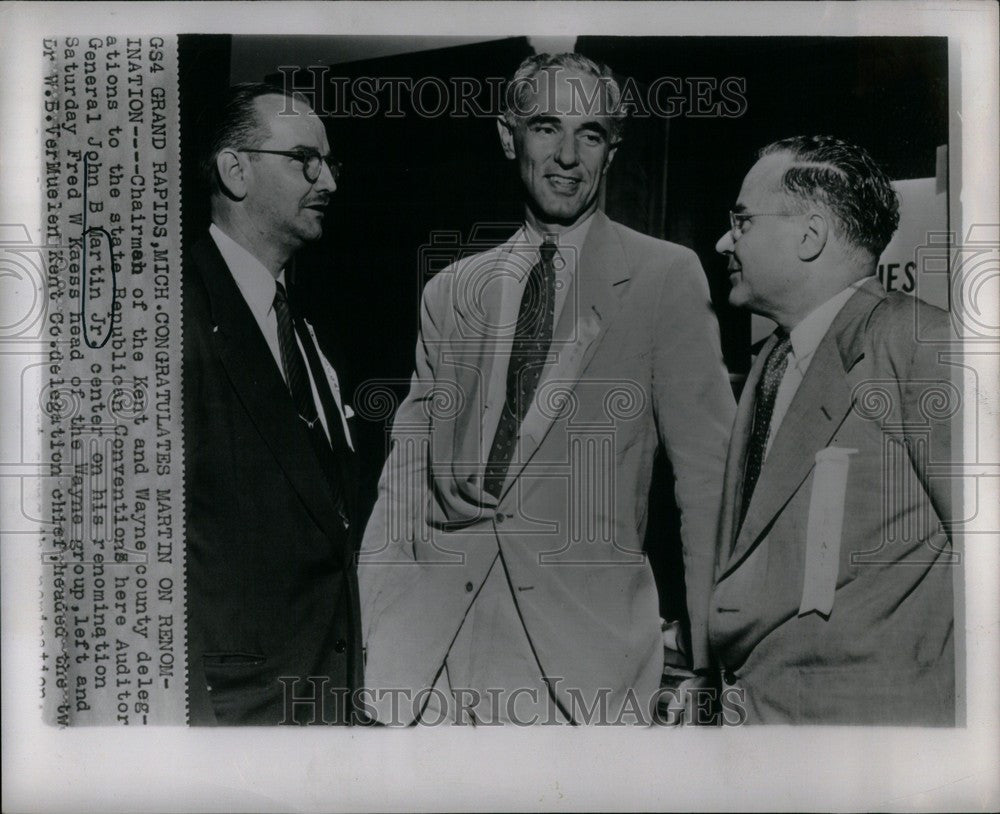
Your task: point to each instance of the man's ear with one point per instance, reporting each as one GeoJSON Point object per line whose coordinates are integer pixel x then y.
{"type": "Point", "coordinates": [506, 137]}
{"type": "Point", "coordinates": [610, 158]}
{"type": "Point", "coordinates": [814, 236]}
{"type": "Point", "coordinates": [231, 177]}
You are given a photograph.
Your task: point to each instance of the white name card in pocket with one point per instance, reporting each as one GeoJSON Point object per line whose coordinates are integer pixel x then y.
{"type": "Point", "coordinates": [826, 520]}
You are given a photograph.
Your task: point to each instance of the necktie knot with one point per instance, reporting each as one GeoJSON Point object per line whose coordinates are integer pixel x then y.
{"type": "Point", "coordinates": [779, 353]}
{"type": "Point", "coordinates": [280, 295]}
{"type": "Point", "coordinates": [547, 251]}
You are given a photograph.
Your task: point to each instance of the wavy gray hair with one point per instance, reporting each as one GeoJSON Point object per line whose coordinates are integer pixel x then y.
{"type": "Point", "coordinates": [522, 84]}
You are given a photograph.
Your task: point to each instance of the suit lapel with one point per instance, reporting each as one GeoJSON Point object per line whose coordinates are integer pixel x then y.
{"type": "Point", "coordinates": [255, 378]}
{"type": "Point", "coordinates": [591, 306]}
{"type": "Point", "coordinates": [824, 399]}
{"type": "Point", "coordinates": [478, 361]}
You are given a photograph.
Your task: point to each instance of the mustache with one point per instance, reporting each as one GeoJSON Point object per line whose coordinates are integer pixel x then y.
{"type": "Point", "coordinates": [322, 200]}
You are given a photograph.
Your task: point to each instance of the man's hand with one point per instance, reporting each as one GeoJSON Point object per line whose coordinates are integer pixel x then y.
{"type": "Point", "coordinates": [685, 696]}
{"type": "Point", "coordinates": [686, 700]}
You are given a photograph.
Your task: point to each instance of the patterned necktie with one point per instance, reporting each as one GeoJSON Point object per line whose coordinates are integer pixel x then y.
{"type": "Point", "coordinates": [767, 390]}
{"type": "Point", "coordinates": [532, 339]}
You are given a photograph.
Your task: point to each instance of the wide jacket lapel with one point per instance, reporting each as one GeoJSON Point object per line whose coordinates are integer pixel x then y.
{"type": "Point", "coordinates": [592, 303]}
{"type": "Point", "coordinates": [821, 404]}
{"type": "Point", "coordinates": [258, 383]}
{"type": "Point", "coordinates": [474, 363]}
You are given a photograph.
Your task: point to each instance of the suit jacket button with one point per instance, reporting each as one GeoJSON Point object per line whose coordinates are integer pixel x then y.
{"type": "Point", "coordinates": [468, 587]}
{"type": "Point", "coordinates": [500, 517]}
{"type": "Point", "coordinates": [729, 677]}
{"type": "Point", "coordinates": [340, 646]}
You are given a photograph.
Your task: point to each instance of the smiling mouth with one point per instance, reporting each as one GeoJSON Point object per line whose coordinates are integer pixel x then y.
{"type": "Point", "coordinates": [563, 183]}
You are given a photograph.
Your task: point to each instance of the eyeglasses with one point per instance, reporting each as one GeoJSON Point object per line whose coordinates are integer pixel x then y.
{"type": "Point", "coordinates": [312, 162]}
{"type": "Point", "coordinates": [738, 219]}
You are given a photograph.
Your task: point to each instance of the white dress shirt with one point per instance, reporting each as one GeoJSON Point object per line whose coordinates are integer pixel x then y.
{"type": "Point", "coordinates": [257, 285]}
{"type": "Point", "coordinates": [805, 337]}
{"type": "Point", "coordinates": [569, 247]}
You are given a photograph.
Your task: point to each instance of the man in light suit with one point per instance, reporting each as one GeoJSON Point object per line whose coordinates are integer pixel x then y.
{"type": "Point", "coordinates": [273, 617]}
{"type": "Point", "coordinates": [502, 574]}
{"type": "Point", "coordinates": [834, 592]}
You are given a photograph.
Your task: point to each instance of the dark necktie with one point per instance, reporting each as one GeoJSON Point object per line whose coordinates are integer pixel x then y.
{"type": "Point", "coordinates": [291, 360]}
{"type": "Point", "coordinates": [528, 353]}
{"type": "Point", "coordinates": [331, 452]}
{"type": "Point", "coordinates": [767, 390]}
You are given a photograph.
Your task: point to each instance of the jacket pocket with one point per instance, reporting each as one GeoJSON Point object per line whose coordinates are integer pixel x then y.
{"type": "Point", "coordinates": [220, 659]}
{"type": "Point", "coordinates": [240, 688]}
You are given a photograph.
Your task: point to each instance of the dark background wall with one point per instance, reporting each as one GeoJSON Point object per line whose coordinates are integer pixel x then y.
{"type": "Point", "coordinates": [418, 189]}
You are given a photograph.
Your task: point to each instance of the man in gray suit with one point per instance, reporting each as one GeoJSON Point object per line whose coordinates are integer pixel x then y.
{"type": "Point", "coordinates": [502, 571]}
{"type": "Point", "coordinates": [834, 597]}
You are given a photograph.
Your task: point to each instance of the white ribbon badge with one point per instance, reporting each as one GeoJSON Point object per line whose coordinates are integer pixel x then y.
{"type": "Point", "coordinates": [826, 519]}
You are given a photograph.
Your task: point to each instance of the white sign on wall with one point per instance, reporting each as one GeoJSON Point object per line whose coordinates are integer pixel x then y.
{"type": "Point", "coordinates": [923, 213]}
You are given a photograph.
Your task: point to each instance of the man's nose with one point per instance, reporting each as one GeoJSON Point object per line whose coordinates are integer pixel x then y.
{"type": "Point", "coordinates": [725, 243]}
{"type": "Point", "coordinates": [567, 154]}
{"type": "Point", "coordinates": [325, 182]}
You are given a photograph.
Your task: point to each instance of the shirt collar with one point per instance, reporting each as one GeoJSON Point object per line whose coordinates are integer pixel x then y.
{"type": "Point", "coordinates": [573, 239]}
{"type": "Point", "coordinates": [807, 335]}
{"type": "Point", "coordinates": [255, 282]}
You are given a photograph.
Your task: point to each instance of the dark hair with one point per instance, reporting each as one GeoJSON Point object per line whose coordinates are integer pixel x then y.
{"type": "Point", "coordinates": [520, 85]}
{"type": "Point", "coordinates": [846, 179]}
{"type": "Point", "coordinates": [234, 122]}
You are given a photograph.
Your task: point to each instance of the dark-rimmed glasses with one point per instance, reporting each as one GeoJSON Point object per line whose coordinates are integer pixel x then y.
{"type": "Point", "coordinates": [737, 219]}
{"type": "Point", "coordinates": [312, 162]}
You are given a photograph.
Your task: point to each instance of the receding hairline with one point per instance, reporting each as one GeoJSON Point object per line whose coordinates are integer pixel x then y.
{"type": "Point", "coordinates": [579, 99]}
{"type": "Point", "coordinates": [786, 160]}
{"type": "Point", "coordinates": [300, 106]}
{"type": "Point", "coordinates": [772, 178]}
{"type": "Point", "coordinates": [264, 117]}
{"type": "Point", "coordinates": [572, 69]}
{"type": "Point", "coordinates": [797, 162]}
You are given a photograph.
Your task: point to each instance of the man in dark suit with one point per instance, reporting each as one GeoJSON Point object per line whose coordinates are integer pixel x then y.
{"type": "Point", "coordinates": [502, 571]}
{"type": "Point", "coordinates": [273, 620]}
{"type": "Point", "coordinates": [834, 594]}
